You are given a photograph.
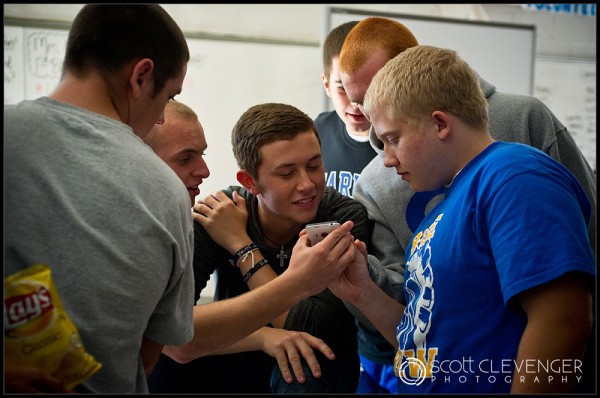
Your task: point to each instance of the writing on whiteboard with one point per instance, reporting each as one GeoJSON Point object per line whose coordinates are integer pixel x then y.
{"type": "Point", "coordinates": [10, 46]}
{"type": "Point", "coordinates": [569, 89]}
{"type": "Point", "coordinates": [44, 53]}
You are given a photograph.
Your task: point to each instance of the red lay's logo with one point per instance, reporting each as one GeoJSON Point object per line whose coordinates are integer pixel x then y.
{"type": "Point", "coordinates": [28, 310]}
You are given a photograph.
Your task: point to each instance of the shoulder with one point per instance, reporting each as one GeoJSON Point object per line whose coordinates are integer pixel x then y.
{"type": "Point", "coordinates": [324, 116]}
{"type": "Point", "coordinates": [342, 206]}
{"type": "Point", "coordinates": [506, 160]}
{"type": "Point", "coordinates": [327, 119]}
{"type": "Point", "coordinates": [499, 101]}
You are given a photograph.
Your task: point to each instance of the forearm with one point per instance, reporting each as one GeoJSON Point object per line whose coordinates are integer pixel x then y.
{"type": "Point", "coordinates": [219, 324]}
{"type": "Point", "coordinates": [381, 310]}
{"type": "Point", "coordinates": [259, 278]}
{"type": "Point", "coordinates": [252, 342]}
{"type": "Point", "coordinates": [389, 278]}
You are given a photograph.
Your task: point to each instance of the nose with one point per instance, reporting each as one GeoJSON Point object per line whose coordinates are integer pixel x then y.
{"type": "Point", "coordinates": [357, 104]}
{"type": "Point", "coordinates": [161, 118]}
{"type": "Point", "coordinates": [389, 157]}
{"type": "Point", "coordinates": [202, 169]}
{"type": "Point", "coordinates": [305, 181]}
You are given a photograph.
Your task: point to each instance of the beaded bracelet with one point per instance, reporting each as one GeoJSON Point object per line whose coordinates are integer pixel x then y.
{"type": "Point", "coordinates": [244, 250]}
{"type": "Point", "coordinates": [253, 269]}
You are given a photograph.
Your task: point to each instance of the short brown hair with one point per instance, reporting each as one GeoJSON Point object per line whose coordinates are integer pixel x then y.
{"type": "Point", "coordinates": [374, 34]}
{"type": "Point", "coordinates": [332, 46]}
{"type": "Point", "coordinates": [106, 37]}
{"type": "Point", "coordinates": [263, 124]}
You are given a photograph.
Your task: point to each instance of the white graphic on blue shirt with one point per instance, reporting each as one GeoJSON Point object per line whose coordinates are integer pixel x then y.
{"type": "Point", "coordinates": [344, 184]}
{"type": "Point", "coordinates": [416, 321]}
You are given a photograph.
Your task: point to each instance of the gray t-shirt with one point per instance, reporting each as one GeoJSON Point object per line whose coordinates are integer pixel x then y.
{"type": "Point", "coordinates": [85, 195]}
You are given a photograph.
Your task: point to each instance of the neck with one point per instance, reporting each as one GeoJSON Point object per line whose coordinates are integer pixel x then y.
{"type": "Point", "coordinates": [276, 231]}
{"type": "Point", "coordinates": [89, 93]}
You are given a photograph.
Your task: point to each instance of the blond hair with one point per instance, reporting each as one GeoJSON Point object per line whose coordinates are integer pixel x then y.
{"type": "Point", "coordinates": [424, 79]}
{"type": "Point", "coordinates": [172, 109]}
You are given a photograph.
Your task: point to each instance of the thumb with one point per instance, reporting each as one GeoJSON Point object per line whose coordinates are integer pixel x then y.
{"type": "Point", "coordinates": [362, 247]}
{"type": "Point", "coordinates": [240, 201]}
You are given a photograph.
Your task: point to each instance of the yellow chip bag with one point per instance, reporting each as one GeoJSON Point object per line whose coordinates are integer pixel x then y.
{"type": "Point", "coordinates": [37, 330]}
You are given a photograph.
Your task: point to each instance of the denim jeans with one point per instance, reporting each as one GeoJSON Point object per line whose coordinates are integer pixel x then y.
{"type": "Point", "coordinates": [337, 376]}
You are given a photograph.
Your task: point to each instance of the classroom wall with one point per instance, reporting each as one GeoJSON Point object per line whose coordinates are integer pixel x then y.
{"type": "Point", "coordinates": [565, 68]}
{"type": "Point", "coordinates": [268, 53]}
{"type": "Point", "coordinates": [280, 45]}
{"type": "Point", "coordinates": [298, 29]}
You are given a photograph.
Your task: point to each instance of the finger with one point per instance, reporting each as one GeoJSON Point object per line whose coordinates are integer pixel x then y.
{"type": "Point", "coordinates": [239, 200]}
{"type": "Point", "coordinates": [219, 196]}
{"type": "Point", "coordinates": [210, 200]}
{"type": "Point", "coordinates": [362, 247]}
{"type": "Point", "coordinates": [338, 234]}
{"type": "Point", "coordinates": [197, 217]}
{"type": "Point", "coordinates": [317, 343]}
{"type": "Point", "coordinates": [296, 363]}
{"type": "Point", "coordinates": [311, 360]}
{"type": "Point", "coordinates": [202, 208]}
{"type": "Point", "coordinates": [282, 362]}
{"type": "Point", "coordinates": [347, 256]}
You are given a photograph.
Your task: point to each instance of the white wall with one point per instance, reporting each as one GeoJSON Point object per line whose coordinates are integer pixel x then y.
{"type": "Point", "coordinates": [301, 22]}
{"type": "Point", "coordinates": [301, 25]}
{"type": "Point", "coordinates": [290, 73]}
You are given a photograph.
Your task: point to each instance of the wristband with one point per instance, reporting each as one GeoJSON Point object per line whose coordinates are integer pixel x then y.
{"type": "Point", "coordinates": [244, 250]}
{"type": "Point", "coordinates": [254, 268]}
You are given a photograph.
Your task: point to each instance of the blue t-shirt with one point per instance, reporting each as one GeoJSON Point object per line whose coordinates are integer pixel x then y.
{"type": "Point", "coordinates": [343, 158]}
{"type": "Point", "coordinates": [494, 235]}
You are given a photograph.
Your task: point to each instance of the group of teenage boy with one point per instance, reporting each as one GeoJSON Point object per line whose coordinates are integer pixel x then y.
{"type": "Point", "coordinates": [467, 224]}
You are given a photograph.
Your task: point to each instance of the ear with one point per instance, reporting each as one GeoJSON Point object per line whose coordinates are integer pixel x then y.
{"type": "Point", "coordinates": [443, 123]}
{"type": "Point", "coordinates": [325, 81]}
{"type": "Point", "coordinates": [142, 78]}
{"type": "Point", "coordinates": [247, 181]}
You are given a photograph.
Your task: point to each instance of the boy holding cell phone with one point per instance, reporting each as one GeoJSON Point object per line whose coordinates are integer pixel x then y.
{"type": "Point", "coordinates": [246, 234]}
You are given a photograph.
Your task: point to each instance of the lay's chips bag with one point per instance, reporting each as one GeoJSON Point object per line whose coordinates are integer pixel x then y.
{"type": "Point", "coordinates": [37, 330]}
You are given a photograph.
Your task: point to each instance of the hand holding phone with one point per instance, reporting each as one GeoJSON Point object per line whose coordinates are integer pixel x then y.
{"type": "Point", "coordinates": [318, 231]}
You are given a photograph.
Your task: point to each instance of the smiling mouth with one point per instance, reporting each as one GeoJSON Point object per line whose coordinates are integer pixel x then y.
{"type": "Point", "coordinates": [304, 201]}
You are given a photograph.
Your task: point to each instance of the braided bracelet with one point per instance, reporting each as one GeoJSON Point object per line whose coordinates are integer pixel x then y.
{"type": "Point", "coordinates": [254, 268]}
{"type": "Point", "coordinates": [244, 250]}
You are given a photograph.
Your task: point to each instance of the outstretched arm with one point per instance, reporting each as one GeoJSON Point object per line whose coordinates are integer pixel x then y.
{"type": "Point", "coordinates": [222, 323]}
{"type": "Point", "coordinates": [355, 286]}
{"type": "Point", "coordinates": [287, 347]}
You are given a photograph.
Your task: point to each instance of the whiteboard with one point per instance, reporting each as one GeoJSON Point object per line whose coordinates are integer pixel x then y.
{"type": "Point", "coordinates": [501, 53]}
{"type": "Point", "coordinates": [568, 88]}
{"type": "Point", "coordinates": [32, 62]}
{"type": "Point", "coordinates": [224, 78]}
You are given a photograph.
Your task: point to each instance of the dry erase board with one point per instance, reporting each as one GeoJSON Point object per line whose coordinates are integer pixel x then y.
{"type": "Point", "coordinates": [568, 88]}
{"type": "Point", "coordinates": [224, 78]}
{"type": "Point", "coordinates": [501, 53]}
{"type": "Point", "coordinates": [32, 61]}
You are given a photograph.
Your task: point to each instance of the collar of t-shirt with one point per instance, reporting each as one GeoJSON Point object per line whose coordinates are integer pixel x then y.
{"type": "Point", "coordinates": [359, 138]}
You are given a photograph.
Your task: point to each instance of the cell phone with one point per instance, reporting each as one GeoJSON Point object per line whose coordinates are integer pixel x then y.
{"type": "Point", "coordinates": [318, 231]}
